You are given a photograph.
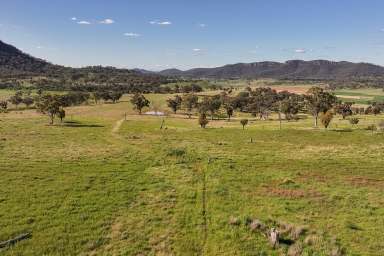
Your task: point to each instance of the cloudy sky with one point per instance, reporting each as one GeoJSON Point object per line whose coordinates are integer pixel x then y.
{"type": "Point", "coordinates": [160, 34]}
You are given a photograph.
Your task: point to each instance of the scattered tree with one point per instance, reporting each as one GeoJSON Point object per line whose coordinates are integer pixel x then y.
{"type": "Point", "coordinates": [262, 101]}
{"type": "Point", "coordinates": [139, 102]}
{"type": "Point", "coordinates": [175, 103]}
{"type": "Point", "coordinates": [210, 104]}
{"type": "Point", "coordinates": [61, 114]}
{"type": "Point", "coordinates": [116, 96]}
{"type": "Point", "coordinates": [203, 121]}
{"type": "Point", "coordinates": [229, 110]}
{"type": "Point", "coordinates": [190, 101]}
{"type": "Point", "coordinates": [16, 99]}
{"type": "Point", "coordinates": [344, 109]}
{"type": "Point", "coordinates": [319, 101]}
{"type": "Point", "coordinates": [376, 110]}
{"type": "Point", "coordinates": [50, 105]}
{"type": "Point", "coordinates": [241, 101]}
{"type": "Point", "coordinates": [96, 96]}
{"type": "Point", "coordinates": [244, 122]}
{"type": "Point", "coordinates": [28, 101]}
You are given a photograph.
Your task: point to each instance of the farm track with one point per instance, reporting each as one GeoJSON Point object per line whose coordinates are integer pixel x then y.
{"type": "Point", "coordinates": [117, 126]}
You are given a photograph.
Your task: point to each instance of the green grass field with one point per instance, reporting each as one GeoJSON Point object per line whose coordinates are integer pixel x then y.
{"type": "Point", "coordinates": [99, 185]}
{"type": "Point", "coordinates": [361, 96]}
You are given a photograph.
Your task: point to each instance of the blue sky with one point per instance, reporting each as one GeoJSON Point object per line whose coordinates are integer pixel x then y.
{"type": "Point", "coordinates": [160, 34]}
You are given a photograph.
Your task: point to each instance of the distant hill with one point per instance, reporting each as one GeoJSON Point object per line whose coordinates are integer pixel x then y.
{"type": "Point", "coordinates": [293, 69]}
{"type": "Point", "coordinates": [15, 64]}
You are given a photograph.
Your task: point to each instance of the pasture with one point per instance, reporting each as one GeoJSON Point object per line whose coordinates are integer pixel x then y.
{"type": "Point", "coordinates": [101, 185]}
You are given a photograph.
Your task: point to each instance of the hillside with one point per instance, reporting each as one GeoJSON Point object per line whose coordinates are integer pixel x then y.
{"type": "Point", "coordinates": [293, 69]}
{"type": "Point", "coordinates": [15, 64]}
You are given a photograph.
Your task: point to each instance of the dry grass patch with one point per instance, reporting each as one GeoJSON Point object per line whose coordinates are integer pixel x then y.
{"type": "Point", "coordinates": [291, 193]}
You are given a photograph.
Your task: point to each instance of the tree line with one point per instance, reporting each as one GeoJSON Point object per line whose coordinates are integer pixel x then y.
{"type": "Point", "coordinates": [261, 102]}
{"type": "Point", "coordinates": [130, 87]}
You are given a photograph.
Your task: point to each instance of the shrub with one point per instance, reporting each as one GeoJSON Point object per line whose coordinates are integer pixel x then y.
{"type": "Point", "coordinates": [203, 121]}
{"type": "Point", "coordinates": [177, 152]}
{"type": "Point", "coordinates": [354, 120]}
{"type": "Point", "coordinates": [244, 122]}
{"type": "Point", "coordinates": [326, 118]}
{"type": "Point", "coordinates": [3, 106]}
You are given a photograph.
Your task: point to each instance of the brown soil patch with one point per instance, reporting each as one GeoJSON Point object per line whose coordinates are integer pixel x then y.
{"type": "Point", "coordinates": [292, 89]}
{"type": "Point", "coordinates": [310, 177]}
{"type": "Point", "coordinates": [291, 193]}
{"type": "Point", "coordinates": [116, 229]}
{"type": "Point", "coordinates": [360, 181]}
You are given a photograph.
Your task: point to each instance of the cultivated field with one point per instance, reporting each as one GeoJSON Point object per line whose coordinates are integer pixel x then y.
{"type": "Point", "coordinates": [100, 185]}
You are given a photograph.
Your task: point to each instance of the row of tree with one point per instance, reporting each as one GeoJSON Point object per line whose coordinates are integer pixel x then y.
{"type": "Point", "coordinates": [70, 99]}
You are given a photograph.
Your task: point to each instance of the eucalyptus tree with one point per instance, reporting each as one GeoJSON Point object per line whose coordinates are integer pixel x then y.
{"type": "Point", "coordinates": [319, 101]}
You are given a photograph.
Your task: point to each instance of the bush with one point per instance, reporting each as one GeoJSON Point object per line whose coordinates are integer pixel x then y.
{"type": "Point", "coordinates": [354, 120]}
{"type": "Point", "coordinates": [327, 118]}
{"type": "Point", "coordinates": [203, 121]}
{"type": "Point", "coordinates": [3, 106]}
{"type": "Point", "coordinates": [178, 152]}
{"type": "Point", "coordinates": [244, 122]}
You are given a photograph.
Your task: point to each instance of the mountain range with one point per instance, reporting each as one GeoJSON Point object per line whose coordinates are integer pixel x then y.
{"type": "Point", "coordinates": [293, 69]}
{"type": "Point", "coordinates": [15, 63]}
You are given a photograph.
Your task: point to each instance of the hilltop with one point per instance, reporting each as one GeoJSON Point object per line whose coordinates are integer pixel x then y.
{"type": "Point", "coordinates": [293, 69]}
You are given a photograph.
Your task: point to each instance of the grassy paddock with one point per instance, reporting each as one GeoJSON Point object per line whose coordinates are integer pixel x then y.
{"type": "Point", "coordinates": [92, 187]}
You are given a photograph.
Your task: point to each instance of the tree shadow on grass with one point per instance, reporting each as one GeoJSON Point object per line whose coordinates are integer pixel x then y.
{"type": "Point", "coordinates": [80, 125]}
{"type": "Point", "coordinates": [286, 241]}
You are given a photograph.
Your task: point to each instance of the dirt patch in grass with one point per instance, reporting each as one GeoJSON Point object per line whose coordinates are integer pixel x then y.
{"type": "Point", "coordinates": [116, 227]}
{"type": "Point", "coordinates": [291, 193]}
{"type": "Point", "coordinates": [292, 89]}
{"type": "Point", "coordinates": [311, 177]}
{"type": "Point", "coordinates": [360, 181]}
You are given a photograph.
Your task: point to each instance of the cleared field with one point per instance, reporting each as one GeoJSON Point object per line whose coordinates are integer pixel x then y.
{"type": "Point", "coordinates": [361, 96]}
{"type": "Point", "coordinates": [99, 185]}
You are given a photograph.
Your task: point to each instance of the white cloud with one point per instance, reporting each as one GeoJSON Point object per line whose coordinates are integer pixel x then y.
{"type": "Point", "coordinates": [39, 47]}
{"type": "Point", "coordinates": [202, 25]}
{"type": "Point", "coordinates": [134, 35]}
{"type": "Point", "coordinates": [107, 21]}
{"type": "Point", "coordinates": [300, 50]}
{"type": "Point", "coordinates": [255, 50]}
{"type": "Point", "coordinates": [161, 23]}
{"type": "Point", "coordinates": [84, 22]}
{"type": "Point", "coordinates": [74, 18]}
{"type": "Point", "coordinates": [196, 50]}
{"type": "Point", "coordinates": [165, 23]}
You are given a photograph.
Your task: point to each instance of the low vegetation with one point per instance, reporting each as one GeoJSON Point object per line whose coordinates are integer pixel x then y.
{"type": "Point", "coordinates": [109, 181]}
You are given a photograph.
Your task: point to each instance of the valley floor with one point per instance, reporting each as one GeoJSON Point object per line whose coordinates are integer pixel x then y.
{"type": "Point", "coordinates": [99, 185]}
